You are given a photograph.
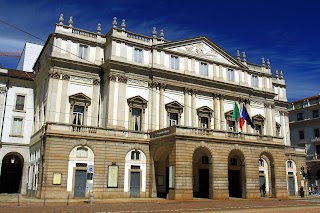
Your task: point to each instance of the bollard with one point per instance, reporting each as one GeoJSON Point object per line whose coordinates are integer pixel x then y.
{"type": "Point", "coordinates": [91, 198]}
{"type": "Point", "coordinates": [68, 199]}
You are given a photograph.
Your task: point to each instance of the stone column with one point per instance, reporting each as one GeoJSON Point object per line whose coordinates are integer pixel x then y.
{"type": "Point", "coordinates": [161, 106]}
{"type": "Point", "coordinates": [222, 117]}
{"type": "Point", "coordinates": [273, 119]}
{"type": "Point", "coordinates": [151, 105]}
{"type": "Point", "coordinates": [111, 94]}
{"type": "Point", "coordinates": [154, 108]}
{"type": "Point", "coordinates": [268, 122]}
{"type": "Point", "coordinates": [64, 98]}
{"type": "Point", "coordinates": [52, 97]}
{"type": "Point", "coordinates": [282, 128]}
{"type": "Point", "coordinates": [287, 130]}
{"type": "Point", "coordinates": [194, 121]}
{"type": "Point", "coordinates": [122, 100]}
{"type": "Point", "coordinates": [216, 111]}
{"type": "Point", "coordinates": [95, 102]}
{"type": "Point", "coordinates": [186, 110]}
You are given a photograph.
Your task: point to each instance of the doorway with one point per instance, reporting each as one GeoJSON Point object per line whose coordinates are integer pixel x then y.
{"type": "Point", "coordinates": [291, 186]}
{"type": "Point", "coordinates": [135, 184]}
{"type": "Point", "coordinates": [80, 183]}
{"type": "Point", "coordinates": [11, 173]}
{"type": "Point", "coordinates": [204, 183]}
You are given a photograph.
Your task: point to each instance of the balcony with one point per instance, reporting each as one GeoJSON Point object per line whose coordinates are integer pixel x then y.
{"type": "Point", "coordinates": [313, 158]}
{"type": "Point", "coordinates": [316, 139]}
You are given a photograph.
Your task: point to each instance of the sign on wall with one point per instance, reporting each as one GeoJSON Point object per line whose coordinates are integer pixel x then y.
{"type": "Point", "coordinates": [113, 176]}
{"type": "Point", "coordinates": [56, 178]}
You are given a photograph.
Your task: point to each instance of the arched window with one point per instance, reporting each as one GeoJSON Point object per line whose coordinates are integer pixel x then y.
{"type": "Point", "coordinates": [135, 155]}
{"type": "Point", "coordinates": [289, 164]}
{"type": "Point", "coordinates": [261, 162]}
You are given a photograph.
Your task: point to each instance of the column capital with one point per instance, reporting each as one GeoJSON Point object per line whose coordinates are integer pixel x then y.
{"type": "Point", "coordinates": [65, 77]}
{"type": "Point", "coordinates": [96, 82]}
{"type": "Point", "coordinates": [122, 79]}
{"type": "Point", "coordinates": [112, 77]}
{"type": "Point", "coordinates": [266, 105]}
{"type": "Point", "coordinates": [3, 90]}
{"type": "Point", "coordinates": [54, 75]}
{"type": "Point", "coordinates": [152, 84]}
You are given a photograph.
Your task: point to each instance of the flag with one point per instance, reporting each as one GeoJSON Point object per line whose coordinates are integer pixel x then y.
{"type": "Point", "coordinates": [245, 117]}
{"type": "Point", "coordinates": [236, 113]}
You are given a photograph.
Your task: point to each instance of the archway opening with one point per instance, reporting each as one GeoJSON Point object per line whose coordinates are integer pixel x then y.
{"type": "Point", "coordinates": [236, 174]}
{"type": "Point", "coordinates": [266, 175]}
{"type": "Point", "coordinates": [11, 173]}
{"type": "Point", "coordinates": [161, 165]}
{"type": "Point", "coordinates": [201, 173]}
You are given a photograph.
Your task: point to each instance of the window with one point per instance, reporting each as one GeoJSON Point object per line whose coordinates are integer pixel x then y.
{"type": "Point", "coordinates": [289, 164]}
{"type": "Point", "coordinates": [17, 127]}
{"type": "Point", "coordinates": [301, 135]}
{"type": "Point", "coordinates": [138, 55]}
{"type": "Point", "coordinates": [135, 155]}
{"type": "Point", "coordinates": [204, 122]}
{"type": "Point", "coordinates": [318, 149]}
{"type": "Point", "coordinates": [315, 113]}
{"type": "Point", "coordinates": [205, 160]}
{"type": "Point", "coordinates": [20, 102]}
{"type": "Point", "coordinates": [83, 51]}
{"type": "Point", "coordinates": [230, 75]}
{"type": "Point", "coordinates": [78, 112]}
{"type": "Point", "coordinates": [261, 162]}
{"type": "Point", "coordinates": [233, 161]}
{"type": "Point", "coordinates": [258, 129]}
{"type": "Point", "coordinates": [204, 69]}
{"type": "Point", "coordinates": [278, 129]}
{"type": "Point", "coordinates": [299, 116]}
{"type": "Point", "coordinates": [136, 119]}
{"type": "Point", "coordinates": [173, 119]}
{"type": "Point", "coordinates": [255, 81]}
{"type": "Point", "coordinates": [316, 133]}
{"type": "Point", "coordinates": [174, 62]}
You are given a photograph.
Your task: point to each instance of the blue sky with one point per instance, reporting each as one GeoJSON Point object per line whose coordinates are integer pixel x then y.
{"type": "Point", "coordinates": [286, 32]}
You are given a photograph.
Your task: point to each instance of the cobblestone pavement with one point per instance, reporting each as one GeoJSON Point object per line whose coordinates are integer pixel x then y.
{"type": "Point", "coordinates": [9, 203]}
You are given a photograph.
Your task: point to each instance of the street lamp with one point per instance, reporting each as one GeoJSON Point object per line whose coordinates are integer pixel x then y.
{"type": "Point", "coordinates": [12, 160]}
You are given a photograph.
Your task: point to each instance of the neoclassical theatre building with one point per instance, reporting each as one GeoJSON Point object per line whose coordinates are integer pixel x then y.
{"type": "Point", "coordinates": [126, 115]}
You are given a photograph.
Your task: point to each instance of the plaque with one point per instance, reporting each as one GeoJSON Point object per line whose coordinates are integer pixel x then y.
{"type": "Point", "coordinates": [56, 179]}
{"type": "Point", "coordinates": [113, 176]}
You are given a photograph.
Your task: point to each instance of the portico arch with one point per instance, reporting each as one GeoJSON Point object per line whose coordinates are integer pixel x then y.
{"type": "Point", "coordinates": [202, 173]}
{"type": "Point", "coordinates": [11, 173]}
{"type": "Point", "coordinates": [161, 165]}
{"type": "Point", "coordinates": [236, 174]}
{"type": "Point", "coordinates": [266, 172]}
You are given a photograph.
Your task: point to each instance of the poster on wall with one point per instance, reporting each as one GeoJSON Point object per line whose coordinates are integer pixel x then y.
{"type": "Point", "coordinates": [113, 176]}
{"type": "Point", "coordinates": [56, 179]}
{"type": "Point", "coordinates": [171, 177]}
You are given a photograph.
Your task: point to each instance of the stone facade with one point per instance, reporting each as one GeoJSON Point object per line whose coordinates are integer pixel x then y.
{"type": "Point", "coordinates": [304, 116]}
{"type": "Point", "coordinates": [128, 115]}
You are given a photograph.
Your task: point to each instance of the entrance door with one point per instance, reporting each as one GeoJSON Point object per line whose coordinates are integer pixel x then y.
{"type": "Point", "coordinates": [80, 183]}
{"type": "Point", "coordinates": [11, 172]}
{"type": "Point", "coordinates": [262, 181]}
{"type": "Point", "coordinates": [291, 186]}
{"type": "Point", "coordinates": [234, 183]}
{"type": "Point", "coordinates": [204, 183]}
{"type": "Point", "coordinates": [135, 184]}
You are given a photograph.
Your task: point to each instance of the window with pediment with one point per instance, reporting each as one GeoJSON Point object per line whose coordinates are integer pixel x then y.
{"type": "Point", "coordinates": [78, 108]}
{"type": "Point", "coordinates": [204, 117]}
{"type": "Point", "coordinates": [137, 106]}
{"type": "Point", "coordinates": [258, 121]}
{"type": "Point", "coordinates": [232, 125]}
{"type": "Point", "coordinates": [174, 111]}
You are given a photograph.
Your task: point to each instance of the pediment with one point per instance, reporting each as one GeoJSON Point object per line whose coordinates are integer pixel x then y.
{"type": "Point", "coordinates": [201, 47]}
{"type": "Point", "coordinates": [258, 117]}
{"type": "Point", "coordinates": [79, 97]}
{"type": "Point", "coordinates": [174, 105]}
{"type": "Point", "coordinates": [137, 101]}
{"type": "Point", "coordinates": [205, 110]}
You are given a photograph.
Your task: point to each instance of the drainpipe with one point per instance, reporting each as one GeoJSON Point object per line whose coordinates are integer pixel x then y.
{"type": "Point", "coordinates": [4, 111]}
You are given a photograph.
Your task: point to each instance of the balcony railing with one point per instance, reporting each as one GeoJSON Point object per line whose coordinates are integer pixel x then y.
{"type": "Point", "coordinates": [314, 157]}
{"type": "Point", "coordinates": [316, 139]}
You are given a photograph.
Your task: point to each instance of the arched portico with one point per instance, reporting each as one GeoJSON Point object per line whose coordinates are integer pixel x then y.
{"type": "Point", "coordinates": [161, 168]}
{"type": "Point", "coordinates": [11, 173]}
{"type": "Point", "coordinates": [266, 175]}
{"type": "Point", "coordinates": [202, 171]}
{"type": "Point", "coordinates": [236, 174]}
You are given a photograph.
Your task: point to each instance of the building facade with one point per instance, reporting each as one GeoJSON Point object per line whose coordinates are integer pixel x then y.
{"type": "Point", "coordinates": [16, 124]}
{"type": "Point", "coordinates": [304, 129]}
{"type": "Point", "coordinates": [128, 115]}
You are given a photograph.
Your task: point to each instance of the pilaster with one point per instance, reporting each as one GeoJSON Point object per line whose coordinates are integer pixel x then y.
{"type": "Point", "coordinates": [161, 106]}
{"type": "Point", "coordinates": [111, 96]}
{"type": "Point", "coordinates": [64, 98]}
{"type": "Point", "coordinates": [222, 117]}
{"type": "Point", "coordinates": [194, 120]}
{"type": "Point", "coordinates": [122, 101]}
{"type": "Point", "coordinates": [216, 111]}
{"type": "Point", "coordinates": [186, 106]}
{"type": "Point", "coordinates": [95, 101]}
{"type": "Point", "coordinates": [248, 107]}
